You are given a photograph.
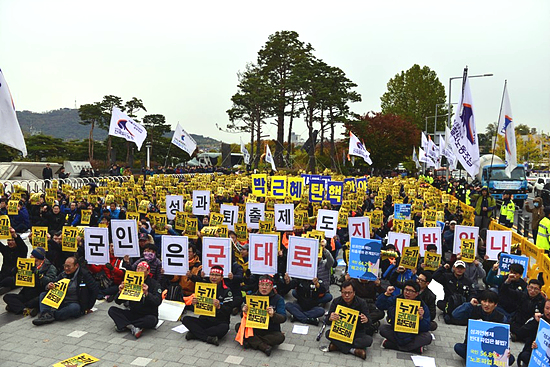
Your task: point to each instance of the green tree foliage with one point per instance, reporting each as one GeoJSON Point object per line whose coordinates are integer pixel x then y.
{"type": "Point", "coordinates": [414, 94]}
{"type": "Point", "coordinates": [90, 114]}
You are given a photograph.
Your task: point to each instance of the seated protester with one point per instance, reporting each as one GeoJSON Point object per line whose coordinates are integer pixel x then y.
{"type": "Point", "coordinates": [324, 270]}
{"type": "Point", "coordinates": [530, 303]}
{"type": "Point", "coordinates": [108, 276]}
{"type": "Point", "coordinates": [361, 340]}
{"type": "Point", "coordinates": [448, 237]}
{"type": "Point", "coordinates": [528, 332]}
{"type": "Point", "coordinates": [195, 268]}
{"type": "Point", "coordinates": [21, 221]}
{"type": "Point", "coordinates": [493, 280]}
{"type": "Point", "coordinates": [55, 219]}
{"type": "Point", "coordinates": [211, 329]}
{"type": "Point", "coordinates": [399, 275]}
{"type": "Point", "coordinates": [26, 301]}
{"type": "Point", "coordinates": [420, 268]}
{"type": "Point", "coordinates": [386, 263]}
{"type": "Point", "coordinates": [474, 271]}
{"type": "Point", "coordinates": [369, 291]}
{"type": "Point", "coordinates": [406, 342]}
{"type": "Point", "coordinates": [142, 314]}
{"type": "Point", "coordinates": [80, 296]}
{"type": "Point", "coordinates": [511, 291]}
{"type": "Point", "coordinates": [265, 339]}
{"type": "Point", "coordinates": [10, 252]}
{"type": "Point", "coordinates": [458, 289]}
{"type": "Point", "coordinates": [55, 252]}
{"type": "Point", "coordinates": [427, 296]}
{"type": "Point", "coordinates": [481, 308]}
{"type": "Point", "coordinates": [150, 257]}
{"type": "Point", "coordinates": [234, 280]}
{"type": "Point", "coordinates": [306, 309]}
{"type": "Point", "coordinates": [94, 218]}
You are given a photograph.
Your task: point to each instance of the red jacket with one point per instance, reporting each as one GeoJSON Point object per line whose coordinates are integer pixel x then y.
{"type": "Point", "coordinates": [117, 275]}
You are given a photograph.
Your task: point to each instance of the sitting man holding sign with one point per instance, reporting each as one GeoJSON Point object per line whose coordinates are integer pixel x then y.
{"type": "Point", "coordinates": [349, 316]}
{"type": "Point", "coordinates": [71, 295]}
{"type": "Point", "coordinates": [408, 318]}
{"type": "Point", "coordinates": [144, 295]}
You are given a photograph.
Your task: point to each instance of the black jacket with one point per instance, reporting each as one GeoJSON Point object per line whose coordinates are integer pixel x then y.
{"type": "Point", "coordinates": [428, 297]}
{"type": "Point", "coordinates": [511, 294]}
{"type": "Point", "coordinates": [308, 295]}
{"type": "Point", "coordinates": [529, 306]}
{"type": "Point", "coordinates": [87, 288]}
{"type": "Point", "coordinates": [10, 255]}
{"type": "Point", "coordinates": [148, 305]}
{"type": "Point", "coordinates": [357, 304]}
{"type": "Point", "coordinates": [453, 285]}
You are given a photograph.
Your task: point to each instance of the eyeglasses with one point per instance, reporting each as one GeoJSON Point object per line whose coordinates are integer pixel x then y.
{"type": "Point", "coordinates": [421, 280]}
{"type": "Point", "coordinates": [347, 293]}
{"type": "Point", "coordinates": [408, 290]}
{"type": "Point", "coordinates": [531, 288]}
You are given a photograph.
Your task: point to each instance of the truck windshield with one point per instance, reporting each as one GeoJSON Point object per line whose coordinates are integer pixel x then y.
{"type": "Point", "coordinates": [518, 174]}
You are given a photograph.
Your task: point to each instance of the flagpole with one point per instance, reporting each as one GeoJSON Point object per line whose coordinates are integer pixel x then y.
{"type": "Point", "coordinates": [496, 130]}
{"type": "Point", "coordinates": [167, 154]}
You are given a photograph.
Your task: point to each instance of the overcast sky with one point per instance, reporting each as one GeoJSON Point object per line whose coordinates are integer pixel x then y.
{"type": "Point", "coordinates": [181, 57]}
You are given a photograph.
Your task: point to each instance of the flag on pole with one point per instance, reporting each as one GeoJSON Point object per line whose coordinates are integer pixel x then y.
{"type": "Point", "coordinates": [246, 155]}
{"type": "Point", "coordinates": [424, 141]}
{"type": "Point", "coordinates": [358, 149]}
{"type": "Point", "coordinates": [415, 159]}
{"type": "Point", "coordinates": [506, 127]}
{"type": "Point", "coordinates": [431, 150]}
{"type": "Point", "coordinates": [422, 157]}
{"type": "Point", "coordinates": [184, 141]}
{"type": "Point", "coordinates": [124, 127]}
{"type": "Point", "coordinates": [448, 150]}
{"type": "Point", "coordinates": [9, 125]}
{"type": "Point", "coordinates": [464, 139]}
{"type": "Point", "coordinates": [269, 157]}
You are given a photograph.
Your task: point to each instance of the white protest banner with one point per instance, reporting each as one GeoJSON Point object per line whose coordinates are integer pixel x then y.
{"type": "Point", "coordinates": [125, 239]}
{"type": "Point", "coordinates": [262, 253]}
{"type": "Point", "coordinates": [96, 245]}
{"type": "Point", "coordinates": [429, 236]}
{"type": "Point", "coordinates": [124, 127]}
{"type": "Point", "coordinates": [462, 232]}
{"type": "Point", "coordinates": [399, 240]}
{"type": "Point", "coordinates": [216, 251]}
{"type": "Point", "coordinates": [359, 227]}
{"type": "Point", "coordinates": [183, 140]}
{"type": "Point", "coordinates": [498, 241]}
{"type": "Point", "coordinates": [284, 217]}
{"type": "Point", "coordinates": [302, 257]}
{"type": "Point", "coordinates": [175, 251]}
{"type": "Point", "coordinates": [255, 212]}
{"type": "Point", "coordinates": [201, 202]}
{"type": "Point", "coordinates": [327, 221]}
{"type": "Point", "coordinates": [230, 215]}
{"type": "Point", "coordinates": [174, 204]}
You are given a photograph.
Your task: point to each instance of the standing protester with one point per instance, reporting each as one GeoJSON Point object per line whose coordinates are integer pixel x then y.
{"type": "Point", "coordinates": [47, 174]}
{"type": "Point", "coordinates": [537, 213]}
{"type": "Point", "coordinates": [507, 210]}
{"type": "Point", "coordinates": [484, 205]}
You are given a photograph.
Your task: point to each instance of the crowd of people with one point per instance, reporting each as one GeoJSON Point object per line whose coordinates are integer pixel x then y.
{"type": "Point", "coordinates": [472, 290]}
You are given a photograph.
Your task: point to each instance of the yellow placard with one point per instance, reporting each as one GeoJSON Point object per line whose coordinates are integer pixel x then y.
{"type": "Point", "coordinates": [241, 231]}
{"type": "Point", "coordinates": [407, 318]}
{"type": "Point", "coordinates": [408, 227]}
{"type": "Point", "coordinates": [68, 241]}
{"type": "Point", "coordinates": [5, 227]}
{"type": "Point", "coordinates": [25, 275]}
{"type": "Point", "coordinates": [131, 206]}
{"type": "Point", "coordinates": [222, 231]}
{"type": "Point", "coordinates": [257, 316]}
{"type": "Point", "coordinates": [205, 294]}
{"type": "Point", "coordinates": [12, 207]}
{"type": "Point", "coordinates": [56, 295]}
{"type": "Point", "coordinates": [216, 219]}
{"type": "Point", "coordinates": [134, 216]}
{"type": "Point", "coordinates": [77, 361]}
{"type": "Point", "coordinates": [409, 259]}
{"type": "Point", "coordinates": [133, 286]}
{"type": "Point", "coordinates": [467, 250]}
{"type": "Point", "coordinates": [85, 216]}
{"type": "Point", "coordinates": [179, 221]}
{"type": "Point", "coordinates": [191, 227]}
{"type": "Point", "coordinates": [377, 218]}
{"type": "Point", "coordinates": [39, 237]}
{"type": "Point", "coordinates": [343, 329]}
{"type": "Point", "coordinates": [431, 261]}
{"type": "Point", "coordinates": [143, 205]}
{"type": "Point", "coordinates": [266, 226]}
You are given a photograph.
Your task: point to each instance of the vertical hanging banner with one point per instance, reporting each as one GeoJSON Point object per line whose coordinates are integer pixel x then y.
{"type": "Point", "coordinates": [302, 257]}
{"type": "Point", "coordinates": [468, 250]}
{"type": "Point", "coordinates": [497, 242]}
{"type": "Point", "coordinates": [284, 217]}
{"type": "Point", "coordinates": [175, 252]}
{"type": "Point", "coordinates": [257, 316]}
{"type": "Point", "coordinates": [255, 212]}
{"type": "Point", "coordinates": [407, 319]}
{"type": "Point", "coordinates": [262, 254]}
{"type": "Point", "coordinates": [343, 329]}
{"type": "Point", "coordinates": [216, 251]}
{"type": "Point", "coordinates": [409, 258]}
{"type": "Point", "coordinates": [327, 221]}
{"type": "Point", "coordinates": [230, 215]}
{"type": "Point", "coordinates": [96, 245]}
{"type": "Point", "coordinates": [359, 227]}
{"type": "Point", "coordinates": [133, 286]}
{"type": "Point", "coordinates": [399, 240]}
{"type": "Point", "coordinates": [464, 232]}
{"type": "Point", "coordinates": [364, 258]}
{"type": "Point", "coordinates": [540, 357]}
{"type": "Point", "coordinates": [25, 275]}
{"type": "Point", "coordinates": [205, 294]}
{"type": "Point", "coordinates": [68, 241]}
{"type": "Point", "coordinates": [174, 204]}
{"type": "Point", "coordinates": [124, 236]}
{"type": "Point", "coordinates": [488, 344]}
{"type": "Point", "coordinates": [39, 237]}
{"type": "Point", "coordinates": [56, 295]}
{"type": "Point", "coordinates": [201, 202]}
{"type": "Point", "coordinates": [429, 236]}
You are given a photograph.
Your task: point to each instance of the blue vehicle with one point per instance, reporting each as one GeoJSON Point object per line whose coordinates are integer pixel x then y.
{"type": "Point", "coordinates": [495, 178]}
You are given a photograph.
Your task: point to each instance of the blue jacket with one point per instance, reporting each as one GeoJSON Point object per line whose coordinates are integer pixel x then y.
{"type": "Point", "coordinates": [21, 222]}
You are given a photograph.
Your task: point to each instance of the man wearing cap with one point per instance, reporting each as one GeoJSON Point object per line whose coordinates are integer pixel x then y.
{"type": "Point", "coordinates": [458, 289]}
{"type": "Point", "coordinates": [26, 301]}
{"type": "Point", "coordinates": [143, 314]}
{"type": "Point", "coordinates": [265, 339]}
{"type": "Point", "coordinates": [211, 329]}
{"type": "Point", "coordinates": [484, 205]}
{"type": "Point", "coordinates": [507, 210]}
{"type": "Point", "coordinates": [16, 248]}
{"type": "Point", "coordinates": [543, 233]}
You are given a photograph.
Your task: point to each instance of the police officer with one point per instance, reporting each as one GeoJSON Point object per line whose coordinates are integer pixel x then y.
{"type": "Point", "coordinates": [543, 235]}
{"type": "Point", "coordinates": [507, 210]}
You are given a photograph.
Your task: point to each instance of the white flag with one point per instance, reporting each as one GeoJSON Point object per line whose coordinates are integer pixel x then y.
{"type": "Point", "coordinates": [183, 140]}
{"type": "Point", "coordinates": [424, 141]}
{"type": "Point", "coordinates": [11, 131]}
{"type": "Point", "coordinates": [464, 134]}
{"type": "Point", "coordinates": [422, 157]}
{"type": "Point", "coordinates": [415, 159]}
{"type": "Point", "coordinates": [432, 150]}
{"type": "Point", "coordinates": [448, 150]}
{"type": "Point", "coordinates": [506, 127]}
{"type": "Point", "coordinates": [124, 127]}
{"type": "Point", "coordinates": [269, 158]}
{"type": "Point", "coordinates": [246, 155]}
{"type": "Point", "coordinates": [358, 149]}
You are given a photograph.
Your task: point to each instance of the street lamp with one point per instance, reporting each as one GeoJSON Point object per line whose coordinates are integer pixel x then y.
{"type": "Point", "coordinates": [460, 77]}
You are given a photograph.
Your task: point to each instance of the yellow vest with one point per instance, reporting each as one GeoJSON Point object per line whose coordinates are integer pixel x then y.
{"type": "Point", "coordinates": [543, 236]}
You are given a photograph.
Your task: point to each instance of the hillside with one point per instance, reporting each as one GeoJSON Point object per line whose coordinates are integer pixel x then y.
{"type": "Point", "coordinates": [64, 124]}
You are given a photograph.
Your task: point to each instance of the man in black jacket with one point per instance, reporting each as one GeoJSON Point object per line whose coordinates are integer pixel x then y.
{"type": "Point", "coordinates": [80, 295]}
{"type": "Point", "coordinates": [15, 248]}
{"type": "Point", "coordinates": [361, 340]}
{"type": "Point", "coordinates": [511, 291]}
{"type": "Point", "coordinates": [530, 303]}
{"type": "Point", "coordinates": [211, 329]}
{"type": "Point", "coordinates": [427, 296]}
{"type": "Point", "coordinates": [143, 314]}
{"type": "Point", "coordinates": [528, 332]}
{"type": "Point", "coordinates": [306, 309]}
